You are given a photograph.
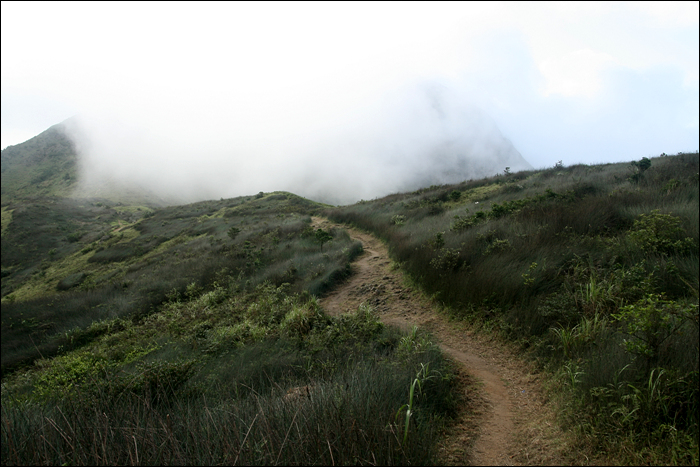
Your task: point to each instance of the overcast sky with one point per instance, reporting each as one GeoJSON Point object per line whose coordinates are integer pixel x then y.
{"type": "Point", "coordinates": [258, 83]}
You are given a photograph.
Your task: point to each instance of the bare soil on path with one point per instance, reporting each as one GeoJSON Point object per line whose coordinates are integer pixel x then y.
{"type": "Point", "coordinates": [508, 419]}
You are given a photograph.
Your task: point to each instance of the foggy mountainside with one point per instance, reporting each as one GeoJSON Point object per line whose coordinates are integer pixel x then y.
{"type": "Point", "coordinates": [49, 165]}
{"type": "Point", "coordinates": [44, 165]}
{"type": "Point", "coordinates": [349, 233]}
{"type": "Point", "coordinates": [418, 136]}
{"type": "Point", "coordinates": [432, 140]}
{"type": "Point", "coordinates": [206, 314]}
{"type": "Point", "coordinates": [76, 271]}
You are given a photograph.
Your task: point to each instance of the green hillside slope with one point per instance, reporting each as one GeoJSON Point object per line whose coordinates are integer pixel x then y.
{"type": "Point", "coordinates": [128, 259]}
{"type": "Point", "coordinates": [592, 269]}
{"type": "Point", "coordinates": [203, 317]}
{"type": "Point", "coordinates": [45, 165]}
{"type": "Point", "coordinates": [135, 327]}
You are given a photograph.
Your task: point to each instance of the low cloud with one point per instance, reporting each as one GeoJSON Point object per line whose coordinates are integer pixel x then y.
{"type": "Point", "coordinates": [413, 136]}
{"type": "Point", "coordinates": [343, 101]}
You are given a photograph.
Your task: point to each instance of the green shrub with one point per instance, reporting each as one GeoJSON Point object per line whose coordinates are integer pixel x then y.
{"type": "Point", "coordinates": [498, 246]}
{"type": "Point", "coordinates": [302, 318]}
{"type": "Point", "coordinates": [447, 260]}
{"type": "Point", "coordinates": [322, 237]}
{"type": "Point", "coordinates": [639, 167]}
{"type": "Point", "coordinates": [660, 233]}
{"type": "Point", "coordinates": [653, 320]}
{"type": "Point", "coordinates": [74, 236]}
{"type": "Point", "coordinates": [398, 219]}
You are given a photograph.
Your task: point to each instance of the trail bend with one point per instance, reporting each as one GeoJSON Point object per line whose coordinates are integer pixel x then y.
{"type": "Point", "coordinates": [509, 420]}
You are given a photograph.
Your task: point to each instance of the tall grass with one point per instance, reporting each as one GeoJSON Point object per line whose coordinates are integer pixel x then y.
{"type": "Point", "coordinates": [188, 386]}
{"type": "Point", "coordinates": [349, 419]}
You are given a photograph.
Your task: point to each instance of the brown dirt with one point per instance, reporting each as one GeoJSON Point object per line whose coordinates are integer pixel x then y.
{"type": "Point", "coordinates": [507, 418]}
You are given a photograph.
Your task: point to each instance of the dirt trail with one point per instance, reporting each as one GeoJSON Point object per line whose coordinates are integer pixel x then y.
{"type": "Point", "coordinates": [508, 422]}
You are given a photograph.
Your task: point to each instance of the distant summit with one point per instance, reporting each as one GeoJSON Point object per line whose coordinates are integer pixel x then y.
{"type": "Point", "coordinates": [45, 165]}
{"type": "Point", "coordinates": [479, 151]}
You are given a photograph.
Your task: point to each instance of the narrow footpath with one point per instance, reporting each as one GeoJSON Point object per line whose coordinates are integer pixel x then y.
{"type": "Point", "coordinates": [508, 421]}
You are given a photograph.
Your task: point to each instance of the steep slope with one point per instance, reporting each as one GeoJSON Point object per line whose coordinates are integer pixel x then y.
{"type": "Point", "coordinates": [46, 165]}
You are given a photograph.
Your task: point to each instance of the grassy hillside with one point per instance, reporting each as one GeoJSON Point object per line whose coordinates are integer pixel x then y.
{"type": "Point", "coordinates": [148, 331]}
{"type": "Point", "coordinates": [66, 265]}
{"type": "Point", "coordinates": [594, 269]}
{"type": "Point", "coordinates": [174, 323]}
{"type": "Point", "coordinates": [39, 235]}
{"type": "Point", "coordinates": [226, 376]}
{"type": "Point", "coordinates": [190, 334]}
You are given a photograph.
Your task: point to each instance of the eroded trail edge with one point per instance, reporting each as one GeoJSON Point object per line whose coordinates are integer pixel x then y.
{"type": "Point", "coordinates": [510, 421]}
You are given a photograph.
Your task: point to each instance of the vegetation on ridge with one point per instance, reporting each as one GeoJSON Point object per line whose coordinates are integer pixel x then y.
{"type": "Point", "coordinates": [594, 269]}
{"type": "Point", "coordinates": [45, 165]}
{"type": "Point", "coordinates": [124, 265]}
{"type": "Point", "coordinates": [154, 329]}
{"type": "Point", "coordinates": [191, 334]}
